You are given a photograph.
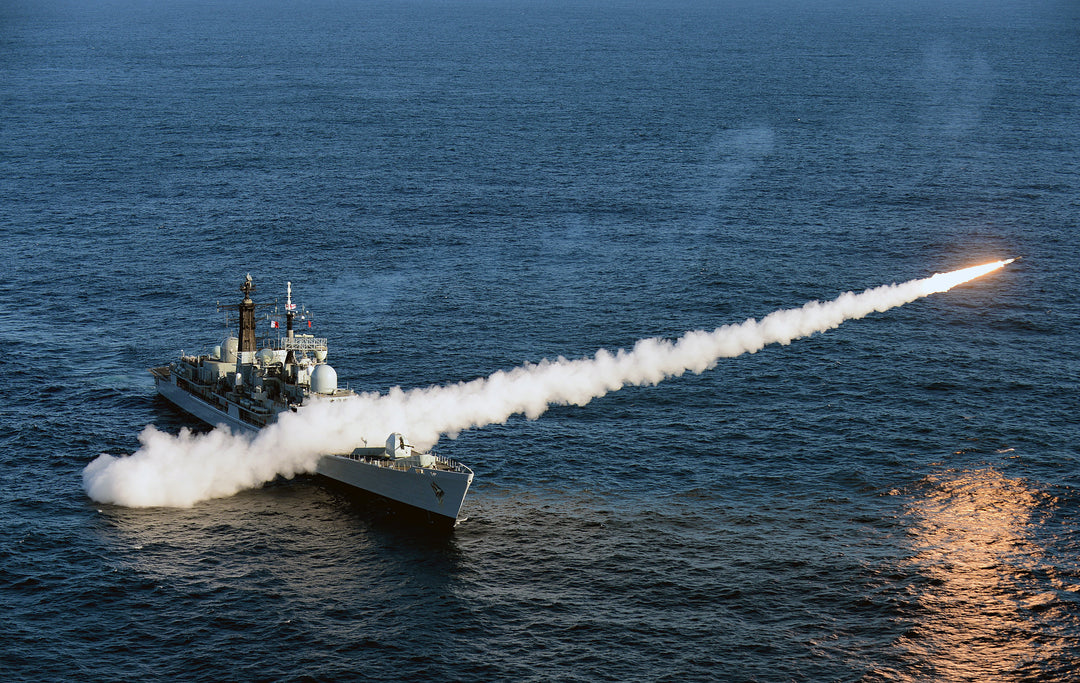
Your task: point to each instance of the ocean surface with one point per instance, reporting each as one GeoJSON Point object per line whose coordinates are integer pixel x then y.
{"type": "Point", "coordinates": [460, 187]}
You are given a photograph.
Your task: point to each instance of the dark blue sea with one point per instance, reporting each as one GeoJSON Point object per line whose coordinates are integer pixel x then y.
{"type": "Point", "coordinates": [460, 187]}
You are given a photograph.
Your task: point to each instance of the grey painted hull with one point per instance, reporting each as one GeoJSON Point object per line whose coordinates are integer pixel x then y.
{"type": "Point", "coordinates": [438, 492]}
{"type": "Point", "coordinates": [194, 405]}
{"type": "Point", "coordinates": [435, 490]}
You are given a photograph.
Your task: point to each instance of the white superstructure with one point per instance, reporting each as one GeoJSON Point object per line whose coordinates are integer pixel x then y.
{"type": "Point", "coordinates": [243, 389]}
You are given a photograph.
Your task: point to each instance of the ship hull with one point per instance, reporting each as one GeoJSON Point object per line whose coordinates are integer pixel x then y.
{"type": "Point", "coordinates": [197, 407]}
{"type": "Point", "coordinates": [436, 492]}
{"type": "Point", "coordinates": [439, 493]}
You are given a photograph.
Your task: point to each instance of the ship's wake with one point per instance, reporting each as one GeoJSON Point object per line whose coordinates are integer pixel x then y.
{"type": "Point", "coordinates": [187, 468]}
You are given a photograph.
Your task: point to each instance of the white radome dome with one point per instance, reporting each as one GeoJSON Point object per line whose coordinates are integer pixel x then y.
{"type": "Point", "coordinates": [229, 348]}
{"type": "Point", "coordinates": [324, 379]}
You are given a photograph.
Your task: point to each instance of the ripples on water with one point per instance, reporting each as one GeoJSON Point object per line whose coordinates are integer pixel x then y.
{"type": "Point", "coordinates": [459, 188]}
{"type": "Point", "coordinates": [997, 595]}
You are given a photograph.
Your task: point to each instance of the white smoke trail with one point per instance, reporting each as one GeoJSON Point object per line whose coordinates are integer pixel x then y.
{"type": "Point", "coordinates": [182, 470]}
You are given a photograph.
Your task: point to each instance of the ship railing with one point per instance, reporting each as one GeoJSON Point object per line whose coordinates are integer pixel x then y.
{"type": "Point", "coordinates": [302, 344]}
{"type": "Point", "coordinates": [441, 463]}
{"type": "Point", "coordinates": [253, 418]}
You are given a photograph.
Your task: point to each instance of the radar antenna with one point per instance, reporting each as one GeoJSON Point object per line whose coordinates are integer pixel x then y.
{"type": "Point", "coordinates": [247, 288]}
{"type": "Point", "coordinates": [246, 310]}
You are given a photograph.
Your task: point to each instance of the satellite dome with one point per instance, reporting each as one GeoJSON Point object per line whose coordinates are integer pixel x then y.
{"type": "Point", "coordinates": [324, 380]}
{"type": "Point", "coordinates": [229, 348]}
{"type": "Point", "coordinates": [265, 356]}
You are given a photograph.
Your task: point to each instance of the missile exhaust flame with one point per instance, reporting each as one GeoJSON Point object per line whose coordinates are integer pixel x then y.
{"type": "Point", "coordinates": [943, 282]}
{"type": "Point", "coordinates": [185, 469]}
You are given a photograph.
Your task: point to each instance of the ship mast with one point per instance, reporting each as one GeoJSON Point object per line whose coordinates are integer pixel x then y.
{"type": "Point", "coordinates": [246, 341]}
{"type": "Point", "coordinates": [247, 316]}
{"type": "Point", "coordinates": [290, 312]}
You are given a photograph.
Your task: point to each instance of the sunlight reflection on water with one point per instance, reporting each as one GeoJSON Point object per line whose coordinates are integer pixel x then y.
{"type": "Point", "coordinates": [976, 542]}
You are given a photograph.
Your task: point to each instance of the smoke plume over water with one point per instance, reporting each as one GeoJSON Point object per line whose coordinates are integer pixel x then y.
{"type": "Point", "coordinates": [182, 470]}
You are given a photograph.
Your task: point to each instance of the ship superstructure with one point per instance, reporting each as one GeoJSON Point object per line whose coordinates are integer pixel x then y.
{"type": "Point", "coordinates": [245, 388]}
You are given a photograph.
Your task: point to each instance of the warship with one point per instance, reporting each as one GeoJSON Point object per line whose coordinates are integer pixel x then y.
{"type": "Point", "coordinates": [242, 387]}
